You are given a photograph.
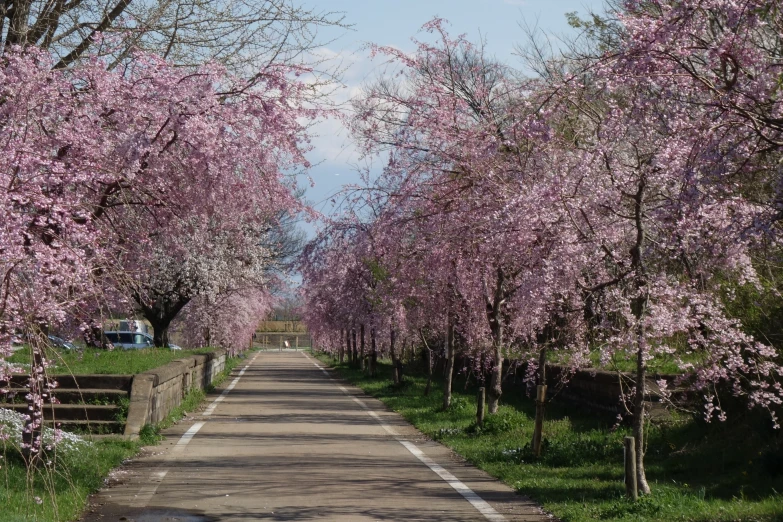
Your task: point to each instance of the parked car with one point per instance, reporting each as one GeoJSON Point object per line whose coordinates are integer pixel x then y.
{"type": "Point", "coordinates": [133, 340]}
{"type": "Point", "coordinates": [59, 342]}
{"type": "Point", "coordinates": [129, 340]}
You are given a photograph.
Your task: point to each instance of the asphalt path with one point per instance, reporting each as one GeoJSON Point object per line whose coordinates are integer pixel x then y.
{"type": "Point", "coordinates": [286, 440]}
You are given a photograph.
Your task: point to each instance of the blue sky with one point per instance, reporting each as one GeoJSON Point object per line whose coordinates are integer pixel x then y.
{"type": "Point", "coordinates": [394, 23]}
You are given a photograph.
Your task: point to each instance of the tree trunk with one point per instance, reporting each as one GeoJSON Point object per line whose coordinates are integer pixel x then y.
{"type": "Point", "coordinates": [538, 428]}
{"type": "Point", "coordinates": [638, 307]}
{"type": "Point", "coordinates": [496, 378]}
{"type": "Point", "coordinates": [638, 417]}
{"type": "Point", "coordinates": [450, 354]}
{"type": "Point", "coordinates": [160, 314]}
{"type": "Point", "coordinates": [373, 352]}
{"type": "Point", "coordinates": [18, 25]}
{"type": "Point", "coordinates": [354, 348]}
{"type": "Point", "coordinates": [428, 356]}
{"type": "Point", "coordinates": [496, 327]}
{"type": "Point", "coordinates": [341, 347]}
{"type": "Point", "coordinates": [361, 352]}
{"type": "Point", "coordinates": [402, 357]}
{"type": "Point", "coordinates": [160, 331]}
{"type": "Point", "coordinates": [394, 358]}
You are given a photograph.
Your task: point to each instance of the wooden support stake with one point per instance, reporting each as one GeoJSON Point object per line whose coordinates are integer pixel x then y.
{"type": "Point", "coordinates": [539, 426]}
{"type": "Point", "coordinates": [482, 399]}
{"type": "Point", "coordinates": [631, 490]}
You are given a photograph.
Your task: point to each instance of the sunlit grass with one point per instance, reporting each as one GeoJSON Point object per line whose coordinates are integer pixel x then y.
{"type": "Point", "coordinates": [718, 472]}
{"type": "Point", "coordinates": [95, 361]}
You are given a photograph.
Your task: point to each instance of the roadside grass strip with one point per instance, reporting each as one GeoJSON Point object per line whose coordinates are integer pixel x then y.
{"type": "Point", "coordinates": [721, 472]}
{"type": "Point", "coordinates": [97, 361]}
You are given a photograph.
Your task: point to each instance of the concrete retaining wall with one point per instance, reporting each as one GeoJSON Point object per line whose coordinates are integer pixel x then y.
{"type": "Point", "coordinates": [598, 390]}
{"type": "Point", "coordinates": [156, 392]}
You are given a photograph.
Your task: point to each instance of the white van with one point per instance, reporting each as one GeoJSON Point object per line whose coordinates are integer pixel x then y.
{"type": "Point", "coordinates": [129, 340]}
{"type": "Point", "coordinates": [134, 340]}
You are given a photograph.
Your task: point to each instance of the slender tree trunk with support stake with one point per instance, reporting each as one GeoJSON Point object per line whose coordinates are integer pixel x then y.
{"type": "Point", "coordinates": [428, 356]}
{"type": "Point", "coordinates": [395, 359]}
{"type": "Point", "coordinates": [638, 307]}
{"type": "Point", "coordinates": [540, 403]}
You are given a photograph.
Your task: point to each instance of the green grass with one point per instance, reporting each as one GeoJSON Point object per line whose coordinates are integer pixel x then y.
{"type": "Point", "coordinates": [698, 472]}
{"type": "Point", "coordinates": [62, 487]}
{"type": "Point", "coordinates": [92, 361]}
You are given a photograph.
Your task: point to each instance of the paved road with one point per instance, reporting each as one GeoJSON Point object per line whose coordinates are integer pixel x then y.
{"type": "Point", "coordinates": [287, 442]}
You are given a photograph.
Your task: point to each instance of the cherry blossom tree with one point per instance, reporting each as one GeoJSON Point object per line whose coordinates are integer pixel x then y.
{"type": "Point", "coordinates": [227, 320]}
{"type": "Point", "coordinates": [101, 166]}
{"type": "Point", "coordinates": [599, 208]}
{"type": "Point", "coordinates": [465, 148]}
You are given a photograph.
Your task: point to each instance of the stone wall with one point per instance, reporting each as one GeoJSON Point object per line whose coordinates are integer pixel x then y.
{"type": "Point", "coordinates": [598, 390]}
{"type": "Point", "coordinates": [156, 392]}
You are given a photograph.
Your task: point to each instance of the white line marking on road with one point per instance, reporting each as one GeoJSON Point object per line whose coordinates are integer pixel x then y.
{"type": "Point", "coordinates": [468, 494]}
{"type": "Point", "coordinates": [387, 428]}
{"type": "Point", "coordinates": [187, 437]}
{"type": "Point", "coordinates": [146, 492]}
{"type": "Point", "coordinates": [479, 503]}
{"type": "Point", "coordinates": [211, 408]}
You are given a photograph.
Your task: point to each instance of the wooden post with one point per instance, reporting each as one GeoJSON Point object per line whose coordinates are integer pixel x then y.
{"type": "Point", "coordinates": [482, 398]}
{"type": "Point", "coordinates": [539, 426]}
{"type": "Point", "coordinates": [631, 490]}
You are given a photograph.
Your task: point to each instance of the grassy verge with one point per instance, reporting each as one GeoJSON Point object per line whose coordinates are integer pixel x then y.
{"type": "Point", "coordinates": [92, 361]}
{"type": "Point", "coordinates": [59, 489]}
{"type": "Point", "coordinates": [698, 472]}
